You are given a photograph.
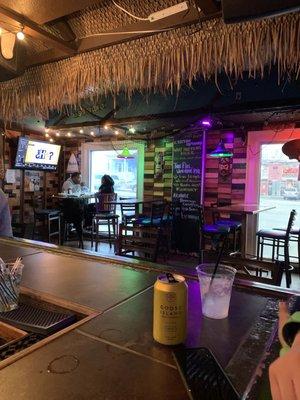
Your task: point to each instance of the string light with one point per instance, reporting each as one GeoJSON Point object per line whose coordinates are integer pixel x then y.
{"type": "Point", "coordinates": [69, 134]}
{"type": "Point", "coordinates": [20, 34]}
{"type": "Point", "coordinates": [57, 134]}
{"type": "Point", "coordinates": [47, 134]}
{"type": "Point", "coordinates": [106, 127]}
{"type": "Point", "coordinates": [51, 140]}
{"type": "Point", "coordinates": [47, 130]}
{"type": "Point", "coordinates": [131, 129]}
{"type": "Point", "coordinates": [80, 130]}
{"type": "Point", "coordinates": [116, 132]}
{"type": "Point", "coordinates": [92, 133]}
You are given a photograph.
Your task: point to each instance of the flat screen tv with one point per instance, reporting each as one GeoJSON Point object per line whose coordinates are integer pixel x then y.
{"type": "Point", "coordinates": [37, 155]}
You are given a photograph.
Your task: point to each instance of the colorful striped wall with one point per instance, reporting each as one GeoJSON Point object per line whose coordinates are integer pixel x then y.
{"type": "Point", "coordinates": [158, 169]}
{"type": "Point", "coordinates": [218, 189]}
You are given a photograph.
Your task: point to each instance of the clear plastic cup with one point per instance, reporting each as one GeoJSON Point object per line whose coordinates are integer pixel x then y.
{"type": "Point", "coordinates": [10, 280]}
{"type": "Point", "coordinates": [216, 293]}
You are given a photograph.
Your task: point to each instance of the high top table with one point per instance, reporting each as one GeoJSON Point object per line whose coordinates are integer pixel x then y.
{"type": "Point", "coordinates": [248, 213]}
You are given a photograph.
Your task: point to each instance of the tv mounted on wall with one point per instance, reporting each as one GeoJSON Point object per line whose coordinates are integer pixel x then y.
{"type": "Point", "coordinates": [37, 155]}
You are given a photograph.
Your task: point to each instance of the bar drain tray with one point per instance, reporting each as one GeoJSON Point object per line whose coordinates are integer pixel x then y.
{"type": "Point", "coordinates": [12, 348]}
{"type": "Point", "coordinates": [38, 320]}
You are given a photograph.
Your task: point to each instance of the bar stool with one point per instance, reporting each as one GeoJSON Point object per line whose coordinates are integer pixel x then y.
{"type": "Point", "coordinates": [156, 217]}
{"type": "Point", "coordinates": [277, 240]}
{"type": "Point", "coordinates": [128, 211]}
{"type": "Point", "coordinates": [50, 216]}
{"type": "Point", "coordinates": [294, 237]}
{"type": "Point", "coordinates": [68, 225]}
{"type": "Point", "coordinates": [234, 226]}
{"type": "Point", "coordinates": [216, 233]}
{"type": "Point", "coordinates": [105, 216]}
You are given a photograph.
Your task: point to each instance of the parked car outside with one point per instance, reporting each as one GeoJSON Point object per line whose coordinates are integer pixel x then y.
{"type": "Point", "coordinates": [291, 194]}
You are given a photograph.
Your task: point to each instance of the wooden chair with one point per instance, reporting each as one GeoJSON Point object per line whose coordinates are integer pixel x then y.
{"type": "Point", "coordinates": [72, 219]}
{"type": "Point", "coordinates": [217, 234]}
{"type": "Point", "coordinates": [249, 269]}
{"type": "Point", "coordinates": [139, 242]}
{"type": "Point", "coordinates": [235, 226]}
{"type": "Point", "coordinates": [277, 240]}
{"type": "Point", "coordinates": [129, 211]}
{"type": "Point", "coordinates": [105, 216]}
{"type": "Point", "coordinates": [45, 215]}
{"type": "Point", "coordinates": [156, 216]}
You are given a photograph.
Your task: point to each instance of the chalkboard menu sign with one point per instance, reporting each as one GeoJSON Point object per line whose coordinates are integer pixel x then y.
{"type": "Point", "coordinates": [187, 149]}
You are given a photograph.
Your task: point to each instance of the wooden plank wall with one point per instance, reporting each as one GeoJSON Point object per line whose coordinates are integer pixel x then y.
{"type": "Point", "coordinates": [232, 188]}
{"type": "Point", "coordinates": [158, 187]}
{"type": "Point", "coordinates": [49, 183]}
{"type": "Point", "coordinates": [217, 188]}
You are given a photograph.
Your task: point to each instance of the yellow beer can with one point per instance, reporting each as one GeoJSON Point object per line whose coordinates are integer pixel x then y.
{"type": "Point", "coordinates": [170, 309]}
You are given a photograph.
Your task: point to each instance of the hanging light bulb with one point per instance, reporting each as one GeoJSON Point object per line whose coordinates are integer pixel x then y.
{"type": "Point", "coordinates": [47, 135]}
{"type": "Point", "coordinates": [20, 34]}
{"type": "Point", "coordinates": [106, 127]}
{"type": "Point", "coordinates": [57, 134]}
{"type": "Point", "coordinates": [92, 133]}
{"type": "Point", "coordinates": [69, 134]}
{"type": "Point", "coordinates": [80, 130]}
{"type": "Point", "coordinates": [116, 132]}
{"type": "Point", "coordinates": [51, 140]}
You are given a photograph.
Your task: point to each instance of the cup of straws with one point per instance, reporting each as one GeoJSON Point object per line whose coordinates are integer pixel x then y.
{"type": "Point", "coordinates": [10, 278]}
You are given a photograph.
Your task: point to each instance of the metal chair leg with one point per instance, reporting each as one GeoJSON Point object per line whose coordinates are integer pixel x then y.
{"type": "Point", "coordinates": [299, 252]}
{"type": "Point", "coordinates": [109, 233]}
{"type": "Point", "coordinates": [258, 248]}
{"type": "Point", "coordinates": [262, 249]}
{"type": "Point", "coordinates": [288, 276]}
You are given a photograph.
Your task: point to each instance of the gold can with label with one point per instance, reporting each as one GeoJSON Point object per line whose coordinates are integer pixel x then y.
{"type": "Point", "coordinates": [170, 309]}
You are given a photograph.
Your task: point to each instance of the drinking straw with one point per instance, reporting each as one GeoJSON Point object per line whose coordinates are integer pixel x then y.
{"type": "Point", "coordinates": [218, 260]}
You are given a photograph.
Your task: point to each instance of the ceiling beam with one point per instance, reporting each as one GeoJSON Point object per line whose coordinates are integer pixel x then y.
{"type": "Point", "coordinates": [43, 11]}
{"type": "Point", "coordinates": [36, 31]}
{"type": "Point", "coordinates": [64, 29]}
{"type": "Point", "coordinates": [135, 31]}
{"type": "Point", "coordinates": [208, 6]}
{"type": "Point", "coordinates": [198, 112]}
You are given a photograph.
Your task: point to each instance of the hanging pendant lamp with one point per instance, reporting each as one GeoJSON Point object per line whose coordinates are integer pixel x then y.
{"type": "Point", "coordinates": [221, 151]}
{"type": "Point", "coordinates": [125, 154]}
{"type": "Point", "coordinates": [292, 149]}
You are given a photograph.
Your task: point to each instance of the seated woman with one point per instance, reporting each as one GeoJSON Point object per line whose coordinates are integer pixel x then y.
{"type": "Point", "coordinates": [107, 187]}
{"type": "Point", "coordinates": [107, 184]}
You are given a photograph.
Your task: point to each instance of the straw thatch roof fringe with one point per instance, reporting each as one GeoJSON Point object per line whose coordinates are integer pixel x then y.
{"type": "Point", "coordinates": [157, 63]}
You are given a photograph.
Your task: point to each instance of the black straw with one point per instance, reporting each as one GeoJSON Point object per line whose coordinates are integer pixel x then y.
{"type": "Point", "coordinates": [218, 260]}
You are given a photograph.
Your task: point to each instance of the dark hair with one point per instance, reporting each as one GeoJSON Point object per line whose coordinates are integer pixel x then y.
{"type": "Point", "coordinates": [108, 180]}
{"type": "Point", "coordinates": [75, 174]}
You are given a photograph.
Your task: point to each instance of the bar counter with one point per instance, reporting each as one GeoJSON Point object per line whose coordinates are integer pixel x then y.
{"type": "Point", "coordinates": [113, 355]}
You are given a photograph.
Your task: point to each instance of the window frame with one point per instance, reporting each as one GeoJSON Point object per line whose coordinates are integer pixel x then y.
{"type": "Point", "coordinates": [87, 148]}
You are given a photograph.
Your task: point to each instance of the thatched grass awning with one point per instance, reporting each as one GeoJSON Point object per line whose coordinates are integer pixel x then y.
{"type": "Point", "coordinates": [157, 63]}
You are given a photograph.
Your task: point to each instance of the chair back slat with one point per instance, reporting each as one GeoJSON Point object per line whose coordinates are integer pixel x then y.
{"type": "Point", "coordinates": [103, 200]}
{"type": "Point", "coordinates": [201, 216]}
{"type": "Point", "coordinates": [127, 208]}
{"type": "Point", "coordinates": [291, 221]}
{"type": "Point", "coordinates": [290, 225]}
{"type": "Point", "coordinates": [157, 211]}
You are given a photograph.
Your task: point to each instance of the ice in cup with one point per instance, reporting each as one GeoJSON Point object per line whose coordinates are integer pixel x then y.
{"type": "Point", "coordinates": [216, 293]}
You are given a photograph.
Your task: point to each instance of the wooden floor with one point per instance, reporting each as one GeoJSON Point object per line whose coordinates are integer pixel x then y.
{"type": "Point", "coordinates": [175, 260]}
